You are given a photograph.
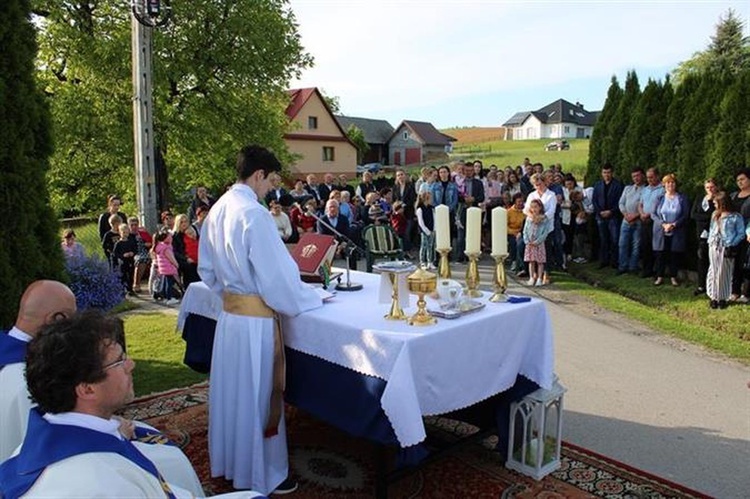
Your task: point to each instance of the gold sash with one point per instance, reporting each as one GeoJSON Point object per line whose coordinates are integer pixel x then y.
{"type": "Point", "coordinates": [254, 306]}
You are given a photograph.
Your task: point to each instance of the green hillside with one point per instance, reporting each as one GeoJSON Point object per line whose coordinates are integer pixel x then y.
{"type": "Point", "coordinates": [512, 152]}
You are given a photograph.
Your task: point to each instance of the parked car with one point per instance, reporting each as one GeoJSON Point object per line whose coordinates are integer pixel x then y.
{"type": "Point", "coordinates": [369, 167]}
{"type": "Point", "coordinates": [557, 145]}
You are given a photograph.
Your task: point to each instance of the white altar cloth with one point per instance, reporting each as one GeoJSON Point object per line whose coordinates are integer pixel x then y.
{"type": "Point", "coordinates": [429, 370]}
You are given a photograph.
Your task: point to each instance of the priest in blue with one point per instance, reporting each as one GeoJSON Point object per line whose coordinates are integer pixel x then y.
{"type": "Point", "coordinates": [41, 303]}
{"type": "Point", "coordinates": [79, 375]}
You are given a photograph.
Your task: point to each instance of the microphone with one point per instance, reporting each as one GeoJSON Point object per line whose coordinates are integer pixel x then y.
{"type": "Point", "coordinates": [350, 247]}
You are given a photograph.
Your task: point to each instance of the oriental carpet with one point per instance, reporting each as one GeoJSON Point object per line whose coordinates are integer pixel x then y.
{"type": "Point", "coordinates": [329, 464]}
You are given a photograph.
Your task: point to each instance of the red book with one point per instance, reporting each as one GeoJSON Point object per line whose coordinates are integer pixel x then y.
{"type": "Point", "coordinates": [312, 251]}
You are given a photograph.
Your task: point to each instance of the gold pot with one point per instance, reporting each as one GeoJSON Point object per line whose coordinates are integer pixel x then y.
{"type": "Point", "coordinates": [420, 283]}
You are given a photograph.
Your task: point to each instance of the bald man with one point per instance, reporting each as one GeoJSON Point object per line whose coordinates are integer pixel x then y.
{"type": "Point", "coordinates": [42, 303]}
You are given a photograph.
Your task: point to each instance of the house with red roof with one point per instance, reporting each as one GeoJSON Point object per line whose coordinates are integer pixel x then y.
{"type": "Point", "coordinates": [316, 138]}
{"type": "Point", "coordinates": [418, 142]}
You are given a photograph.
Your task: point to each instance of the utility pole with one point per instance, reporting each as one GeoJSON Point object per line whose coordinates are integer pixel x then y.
{"type": "Point", "coordinates": [146, 15]}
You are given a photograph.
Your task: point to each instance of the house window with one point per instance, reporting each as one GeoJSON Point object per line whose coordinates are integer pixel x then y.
{"type": "Point", "coordinates": [328, 154]}
{"type": "Point", "coordinates": [312, 122]}
{"type": "Point", "coordinates": [567, 129]}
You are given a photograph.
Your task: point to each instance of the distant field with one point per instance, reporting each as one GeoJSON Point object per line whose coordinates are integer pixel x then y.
{"type": "Point", "coordinates": [476, 145]}
{"type": "Point", "coordinates": [473, 135]}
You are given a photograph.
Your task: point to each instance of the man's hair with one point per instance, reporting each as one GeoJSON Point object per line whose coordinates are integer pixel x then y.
{"type": "Point", "coordinates": [68, 352]}
{"type": "Point", "coordinates": [254, 158]}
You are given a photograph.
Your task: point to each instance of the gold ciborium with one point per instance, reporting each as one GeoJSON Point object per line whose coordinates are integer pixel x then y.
{"type": "Point", "coordinates": [420, 283]}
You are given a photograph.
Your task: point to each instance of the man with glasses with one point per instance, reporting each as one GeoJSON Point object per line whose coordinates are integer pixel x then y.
{"type": "Point", "coordinates": [80, 375]}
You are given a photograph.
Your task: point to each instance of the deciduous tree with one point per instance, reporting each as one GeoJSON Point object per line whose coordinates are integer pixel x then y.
{"type": "Point", "coordinates": [220, 75]}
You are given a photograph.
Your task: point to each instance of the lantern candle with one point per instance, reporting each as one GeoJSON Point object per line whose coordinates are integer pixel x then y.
{"type": "Point", "coordinates": [499, 231]}
{"type": "Point", "coordinates": [473, 230]}
{"type": "Point", "coordinates": [442, 227]}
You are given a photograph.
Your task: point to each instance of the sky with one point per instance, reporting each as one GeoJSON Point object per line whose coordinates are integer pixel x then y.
{"type": "Point", "coordinates": [477, 62]}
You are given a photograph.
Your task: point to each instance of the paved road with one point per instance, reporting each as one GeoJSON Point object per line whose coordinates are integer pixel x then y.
{"type": "Point", "coordinates": [646, 400]}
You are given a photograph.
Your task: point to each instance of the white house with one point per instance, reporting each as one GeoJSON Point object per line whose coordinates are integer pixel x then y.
{"type": "Point", "coordinates": [558, 120]}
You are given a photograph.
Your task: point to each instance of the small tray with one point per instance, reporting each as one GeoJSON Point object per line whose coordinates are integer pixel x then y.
{"type": "Point", "coordinates": [467, 307]}
{"type": "Point", "coordinates": [397, 266]}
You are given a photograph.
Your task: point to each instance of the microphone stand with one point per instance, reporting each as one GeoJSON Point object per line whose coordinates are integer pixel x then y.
{"type": "Point", "coordinates": [351, 247]}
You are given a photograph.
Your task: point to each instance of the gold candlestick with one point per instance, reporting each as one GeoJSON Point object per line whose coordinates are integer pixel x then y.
{"type": "Point", "coordinates": [444, 266]}
{"type": "Point", "coordinates": [396, 313]}
{"type": "Point", "coordinates": [501, 280]}
{"type": "Point", "coordinates": [472, 276]}
{"type": "Point", "coordinates": [421, 283]}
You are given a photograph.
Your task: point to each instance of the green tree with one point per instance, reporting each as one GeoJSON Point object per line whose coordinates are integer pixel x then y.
{"type": "Point", "coordinates": [727, 54]}
{"type": "Point", "coordinates": [701, 116]}
{"type": "Point", "coordinates": [669, 145]}
{"type": "Point", "coordinates": [641, 141]}
{"type": "Point", "coordinates": [600, 143]}
{"type": "Point", "coordinates": [620, 122]}
{"type": "Point", "coordinates": [31, 248]}
{"type": "Point", "coordinates": [729, 144]}
{"type": "Point", "coordinates": [220, 75]}
{"type": "Point", "coordinates": [357, 136]}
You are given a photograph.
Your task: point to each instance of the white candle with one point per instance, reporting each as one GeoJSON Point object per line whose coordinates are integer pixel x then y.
{"type": "Point", "coordinates": [499, 231]}
{"type": "Point", "coordinates": [473, 230]}
{"type": "Point", "coordinates": [442, 227]}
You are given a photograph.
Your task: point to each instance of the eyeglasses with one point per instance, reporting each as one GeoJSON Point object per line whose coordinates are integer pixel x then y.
{"type": "Point", "coordinates": [123, 358]}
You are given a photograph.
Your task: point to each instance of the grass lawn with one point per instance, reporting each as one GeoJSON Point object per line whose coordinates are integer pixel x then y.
{"type": "Point", "coordinates": [674, 311]}
{"type": "Point", "coordinates": [512, 152]}
{"type": "Point", "coordinates": [158, 350]}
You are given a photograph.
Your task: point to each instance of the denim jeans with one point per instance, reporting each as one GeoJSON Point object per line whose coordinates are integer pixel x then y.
{"type": "Point", "coordinates": [630, 245]}
{"type": "Point", "coordinates": [609, 238]}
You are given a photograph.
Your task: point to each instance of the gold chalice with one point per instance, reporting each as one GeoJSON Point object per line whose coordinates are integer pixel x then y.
{"type": "Point", "coordinates": [420, 283]}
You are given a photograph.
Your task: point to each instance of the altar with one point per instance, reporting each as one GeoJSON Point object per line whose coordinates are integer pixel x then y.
{"type": "Point", "coordinates": [377, 378]}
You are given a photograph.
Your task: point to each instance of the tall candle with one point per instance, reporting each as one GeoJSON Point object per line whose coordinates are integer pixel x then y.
{"type": "Point", "coordinates": [499, 231]}
{"type": "Point", "coordinates": [473, 230]}
{"type": "Point", "coordinates": [442, 227]}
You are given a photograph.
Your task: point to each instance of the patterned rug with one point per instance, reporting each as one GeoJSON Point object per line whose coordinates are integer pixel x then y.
{"type": "Point", "coordinates": [328, 463]}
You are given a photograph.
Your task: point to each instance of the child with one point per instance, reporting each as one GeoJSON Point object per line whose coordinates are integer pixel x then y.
{"type": "Point", "coordinates": [110, 238]}
{"type": "Point", "coordinates": [167, 265]}
{"type": "Point", "coordinates": [398, 221]}
{"type": "Point", "coordinates": [71, 248]}
{"type": "Point", "coordinates": [580, 229]}
{"type": "Point", "coordinates": [426, 220]}
{"type": "Point", "coordinates": [534, 234]}
{"type": "Point", "coordinates": [124, 253]}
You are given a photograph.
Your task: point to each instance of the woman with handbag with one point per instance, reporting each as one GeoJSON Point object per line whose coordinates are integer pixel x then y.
{"type": "Point", "coordinates": [726, 232]}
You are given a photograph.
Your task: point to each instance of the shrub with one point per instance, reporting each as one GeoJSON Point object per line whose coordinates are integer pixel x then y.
{"type": "Point", "coordinates": [94, 283]}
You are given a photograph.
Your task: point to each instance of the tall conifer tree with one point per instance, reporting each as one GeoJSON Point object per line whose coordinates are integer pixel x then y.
{"type": "Point", "coordinates": [600, 139]}
{"type": "Point", "coordinates": [621, 121]}
{"type": "Point", "coordinates": [30, 248]}
{"type": "Point", "coordinates": [729, 144]}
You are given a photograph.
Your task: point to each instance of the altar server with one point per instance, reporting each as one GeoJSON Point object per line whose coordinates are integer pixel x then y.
{"type": "Point", "coordinates": [244, 261]}
{"type": "Point", "coordinates": [79, 375]}
{"type": "Point", "coordinates": [41, 303]}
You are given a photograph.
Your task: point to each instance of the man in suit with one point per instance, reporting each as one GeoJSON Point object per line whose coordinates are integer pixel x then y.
{"type": "Point", "coordinates": [276, 191]}
{"type": "Point", "coordinates": [473, 195]}
{"type": "Point", "coordinates": [326, 187]}
{"type": "Point", "coordinates": [607, 192]}
{"type": "Point", "coordinates": [335, 219]}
